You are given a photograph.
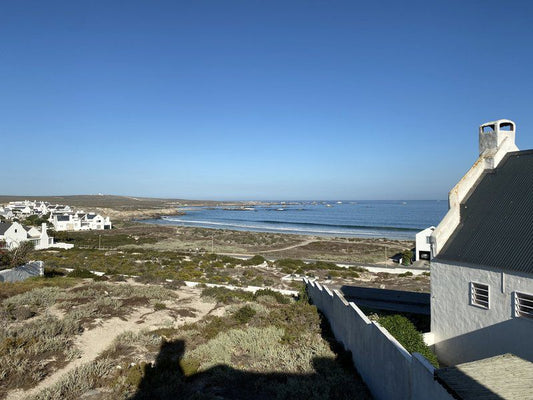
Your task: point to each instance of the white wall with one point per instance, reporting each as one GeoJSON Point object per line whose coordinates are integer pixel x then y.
{"type": "Point", "coordinates": [422, 243]}
{"type": "Point", "coordinates": [463, 332]}
{"type": "Point", "coordinates": [15, 235]}
{"type": "Point", "coordinates": [388, 370]}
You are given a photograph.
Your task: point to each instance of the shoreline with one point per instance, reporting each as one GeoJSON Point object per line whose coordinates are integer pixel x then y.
{"type": "Point", "coordinates": [375, 235]}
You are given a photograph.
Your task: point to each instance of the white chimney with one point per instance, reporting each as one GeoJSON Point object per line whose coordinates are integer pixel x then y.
{"type": "Point", "coordinates": [493, 134]}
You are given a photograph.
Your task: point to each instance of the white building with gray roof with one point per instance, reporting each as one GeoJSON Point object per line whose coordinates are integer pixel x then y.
{"type": "Point", "coordinates": [482, 271]}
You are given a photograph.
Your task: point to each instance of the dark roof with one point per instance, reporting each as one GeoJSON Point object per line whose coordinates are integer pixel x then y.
{"type": "Point", "coordinates": [496, 228]}
{"type": "Point", "coordinates": [4, 226]}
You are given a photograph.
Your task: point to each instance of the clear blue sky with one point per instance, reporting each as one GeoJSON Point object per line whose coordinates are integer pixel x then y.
{"type": "Point", "coordinates": [257, 99]}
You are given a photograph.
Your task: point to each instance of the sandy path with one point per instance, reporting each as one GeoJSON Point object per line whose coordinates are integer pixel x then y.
{"type": "Point", "coordinates": [304, 243]}
{"type": "Point", "coordinates": [92, 342]}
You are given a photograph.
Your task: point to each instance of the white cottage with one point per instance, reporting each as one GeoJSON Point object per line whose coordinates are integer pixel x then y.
{"type": "Point", "coordinates": [482, 273]}
{"type": "Point", "coordinates": [12, 234]}
{"type": "Point", "coordinates": [423, 244]}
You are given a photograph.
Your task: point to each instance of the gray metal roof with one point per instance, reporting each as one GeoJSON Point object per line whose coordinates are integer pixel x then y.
{"type": "Point", "coordinates": [501, 377]}
{"type": "Point", "coordinates": [4, 226]}
{"type": "Point", "coordinates": [496, 228]}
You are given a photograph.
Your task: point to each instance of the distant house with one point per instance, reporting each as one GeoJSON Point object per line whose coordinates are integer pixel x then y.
{"type": "Point", "coordinates": [79, 221]}
{"type": "Point", "coordinates": [96, 222]}
{"type": "Point", "coordinates": [423, 244]}
{"type": "Point", "coordinates": [65, 222]}
{"type": "Point", "coordinates": [6, 213]}
{"type": "Point", "coordinates": [482, 273]}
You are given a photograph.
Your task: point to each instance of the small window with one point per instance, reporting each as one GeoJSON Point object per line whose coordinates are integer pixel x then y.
{"type": "Point", "coordinates": [479, 295]}
{"type": "Point", "coordinates": [428, 239]}
{"type": "Point", "coordinates": [523, 305]}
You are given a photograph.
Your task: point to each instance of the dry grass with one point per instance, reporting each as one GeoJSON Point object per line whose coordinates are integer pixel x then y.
{"type": "Point", "coordinates": [279, 352]}
{"type": "Point", "coordinates": [34, 343]}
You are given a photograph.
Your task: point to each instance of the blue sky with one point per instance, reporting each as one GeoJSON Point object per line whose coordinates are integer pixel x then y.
{"type": "Point", "coordinates": [256, 99]}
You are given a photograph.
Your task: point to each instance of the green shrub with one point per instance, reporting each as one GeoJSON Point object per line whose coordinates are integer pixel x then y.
{"type": "Point", "coordinates": [405, 332]}
{"type": "Point", "coordinates": [189, 366]}
{"type": "Point", "coordinates": [303, 296]}
{"type": "Point", "coordinates": [407, 257]}
{"type": "Point", "coordinates": [244, 314]}
{"type": "Point", "coordinates": [159, 306]}
{"type": "Point", "coordinates": [81, 273]}
{"type": "Point", "coordinates": [289, 265]}
{"type": "Point", "coordinates": [280, 298]}
{"type": "Point", "coordinates": [255, 260]}
{"type": "Point", "coordinates": [405, 274]}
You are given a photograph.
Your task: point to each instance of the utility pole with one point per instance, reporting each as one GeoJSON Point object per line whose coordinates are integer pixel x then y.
{"type": "Point", "coordinates": [386, 258]}
{"type": "Point", "coordinates": [212, 243]}
{"type": "Point", "coordinates": [99, 242]}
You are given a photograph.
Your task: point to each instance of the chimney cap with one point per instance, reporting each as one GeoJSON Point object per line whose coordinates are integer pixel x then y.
{"type": "Point", "coordinates": [494, 125]}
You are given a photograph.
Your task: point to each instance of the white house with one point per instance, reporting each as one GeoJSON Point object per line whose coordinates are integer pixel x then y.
{"type": "Point", "coordinates": [79, 221]}
{"type": "Point", "coordinates": [6, 213]}
{"type": "Point", "coordinates": [65, 222]}
{"type": "Point", "coordinates": [482, 271]}
{"type": "Point", "coordinates": [423, 244]}
{"type": "Point", "coordinates": [12, 234]}
{"type": "Point", "coordinates": [95, 222]}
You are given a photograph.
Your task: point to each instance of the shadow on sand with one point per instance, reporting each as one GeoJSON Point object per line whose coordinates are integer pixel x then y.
{"type": "Point", "coordinates": [332, 379]}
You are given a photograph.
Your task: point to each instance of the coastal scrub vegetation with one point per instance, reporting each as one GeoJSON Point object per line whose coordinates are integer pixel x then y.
{"type": "Point", "coordinates": [255, 349]}
{"type": "Point", "coordinates": [40, 317]}
{"type": "Point", "coordinates": [16, 257]}
{"type": "Point", "coordinates": [253, 345]}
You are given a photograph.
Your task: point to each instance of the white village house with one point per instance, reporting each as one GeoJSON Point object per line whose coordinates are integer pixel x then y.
{"type": "Point", "coordinates": [13, 234]}
{"type": "Point", "coordinates": [79, 221]}
{"type": "Point", "coordinates": [482, 270]}
{"type": "Point", "coordinates": [423, 244]}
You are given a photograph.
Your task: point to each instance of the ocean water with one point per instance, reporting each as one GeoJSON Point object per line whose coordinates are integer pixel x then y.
{"type": "Point", "coordinates": [370, 219]}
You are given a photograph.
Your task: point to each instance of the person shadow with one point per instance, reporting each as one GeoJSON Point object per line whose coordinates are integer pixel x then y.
{"type": "Point", "coordinates": [170, 377]}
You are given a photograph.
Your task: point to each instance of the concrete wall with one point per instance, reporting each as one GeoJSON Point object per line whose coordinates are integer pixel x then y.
{"type": "Point", "coordinates": [33, 268]}
{"type": "Point", "coordinates": [389, 371]}
{"type": "Point", "coordinates": [463, 332]}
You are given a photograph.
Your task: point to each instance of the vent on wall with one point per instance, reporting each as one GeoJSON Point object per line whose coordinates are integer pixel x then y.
{"type": "Point", "coordinates": [479, 295]}
{"type": "Point", "coordinates": [523, 305]}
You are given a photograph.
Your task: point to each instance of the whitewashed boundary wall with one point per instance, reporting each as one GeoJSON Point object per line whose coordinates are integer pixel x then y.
{"type": "Point", "coordinates": [388, 370]}
{"type": "Point", "coordinates": [33, 268]}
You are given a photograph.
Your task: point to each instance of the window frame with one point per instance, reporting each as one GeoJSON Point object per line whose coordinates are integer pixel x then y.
{"type": "Point", "coordinates": [474, 288]}
{"type": "Point", "coordinates": [516, 305]}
